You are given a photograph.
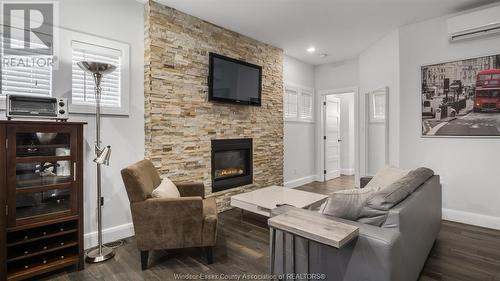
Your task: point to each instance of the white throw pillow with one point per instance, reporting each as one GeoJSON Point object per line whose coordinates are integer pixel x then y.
{"type": "Point", "coordinates": [166, 189]}
{"type": "Point", "coordinates": [385, 177]}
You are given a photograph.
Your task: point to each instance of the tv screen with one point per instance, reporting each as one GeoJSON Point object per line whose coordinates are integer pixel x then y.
{"type": "Point", "coordinates": [235, 81]}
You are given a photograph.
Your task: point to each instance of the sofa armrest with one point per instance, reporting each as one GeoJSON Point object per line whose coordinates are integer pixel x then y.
{"type": "Point", "coordinates": [363, 181]}
{"type": "Point", "coordinates": [373, 255]}
{"type": "Point", "coordinates": [187, 189]}
{"type": "Point", "coordinates": [168, 223]}
{"type": "Point", "coordinates": [384, 235]}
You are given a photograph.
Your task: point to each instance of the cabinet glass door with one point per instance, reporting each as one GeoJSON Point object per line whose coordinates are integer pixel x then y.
{"type": "Point", "coordinates": [33, 204]}
{"type": "Point", "coordinates": [43, 144]}
{"type": "Point", "coordinates": [42, 173]}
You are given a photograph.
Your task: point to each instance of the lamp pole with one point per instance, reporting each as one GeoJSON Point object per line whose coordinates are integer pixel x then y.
{"type": "Point", "coordinates": [97, 69]}
{"type": "Point", "coordinates": [97, 80]}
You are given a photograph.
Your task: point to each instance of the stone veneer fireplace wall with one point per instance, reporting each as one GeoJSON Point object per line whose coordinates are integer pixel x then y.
{"type": "Point", "coordinates": [180, 123]}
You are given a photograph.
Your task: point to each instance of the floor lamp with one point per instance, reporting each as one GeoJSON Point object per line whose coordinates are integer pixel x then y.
{"type": "Point", "coordinates": [98, 69]}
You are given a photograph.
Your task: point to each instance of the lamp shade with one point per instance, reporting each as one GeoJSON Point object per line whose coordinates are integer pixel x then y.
{"type": "Point", "coordinates": [94, 67]}
{"type": "Point", "coordinates": [103, 156]}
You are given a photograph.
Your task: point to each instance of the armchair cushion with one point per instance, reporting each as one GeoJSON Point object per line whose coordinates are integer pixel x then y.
{"type": "Point", "coordinates": [140, 180]}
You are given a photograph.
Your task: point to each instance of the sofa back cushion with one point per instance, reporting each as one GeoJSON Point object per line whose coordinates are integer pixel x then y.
{"type": "Point", "coordinates": [378, 205]}
{"type": "Point", "coordinates": [385, 177]}
{"type": "Point", "coordinates": [140, 179]}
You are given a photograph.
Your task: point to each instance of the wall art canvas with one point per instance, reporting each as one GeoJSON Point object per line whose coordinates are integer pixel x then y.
{"type": "Point", "coordinates": [461, 98]}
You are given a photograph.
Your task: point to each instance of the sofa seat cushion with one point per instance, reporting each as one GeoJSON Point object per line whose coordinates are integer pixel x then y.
{"type": "Point", "coordinates": [166, 189]}
{"type": "Point", "coordinates": [346, 204]}
{"type": "Point", "coordinates": [385, 177]}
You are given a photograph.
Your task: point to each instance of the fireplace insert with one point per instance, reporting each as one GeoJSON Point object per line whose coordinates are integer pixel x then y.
{"type": "Point", "coordinates": [231, 163]}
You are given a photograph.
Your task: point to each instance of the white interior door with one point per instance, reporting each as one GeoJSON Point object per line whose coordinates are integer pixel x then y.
{"type": "Point", "coordinates": [332, 137]}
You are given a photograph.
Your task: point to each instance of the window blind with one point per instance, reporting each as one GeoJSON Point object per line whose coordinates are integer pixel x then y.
{"type": "Point", "coordinates": [23, 75]}
{"type": "Point", "coordinates": [306, 105]}
{"type": "Point", "coordinates": [290, 103]}
{"type": "Point", "coordinates": [83, 85]}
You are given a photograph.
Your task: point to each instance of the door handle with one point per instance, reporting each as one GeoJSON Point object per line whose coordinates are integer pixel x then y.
{"type": "Point", "coordinates": [339, 140]}
{"type": "Point", "coordinates": [74, 171]}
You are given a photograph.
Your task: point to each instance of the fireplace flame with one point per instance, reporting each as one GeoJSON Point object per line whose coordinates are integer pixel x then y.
{"type": "Point", "coordinates": [228, 172]}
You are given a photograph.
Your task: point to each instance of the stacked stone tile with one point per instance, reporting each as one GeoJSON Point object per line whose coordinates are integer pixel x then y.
{"type": "Point", "coordinates": [179, 120]}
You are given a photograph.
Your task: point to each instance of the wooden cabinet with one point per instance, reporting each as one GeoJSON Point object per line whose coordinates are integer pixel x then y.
{"type": "Point", "coordinates": [41, 214]}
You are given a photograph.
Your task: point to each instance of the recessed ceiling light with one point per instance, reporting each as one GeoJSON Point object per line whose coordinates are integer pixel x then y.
{"type": "Point", "coordinates": [323, 56]}
{"type": "Point", "coordinates": [311, 50]}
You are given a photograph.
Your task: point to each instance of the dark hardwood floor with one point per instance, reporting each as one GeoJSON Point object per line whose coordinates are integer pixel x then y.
{"type": "Point", "coordinates": [342, 182]}
{"type": "Point", "coordinates": [461, 252]}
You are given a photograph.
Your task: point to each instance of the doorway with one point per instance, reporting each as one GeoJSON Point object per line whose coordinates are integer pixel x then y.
{"type": "Point", "coordinates": [338, 134]}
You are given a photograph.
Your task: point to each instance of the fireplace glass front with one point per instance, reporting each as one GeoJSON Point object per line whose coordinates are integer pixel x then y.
{"type": "Point", "coordinates": [231, 163]}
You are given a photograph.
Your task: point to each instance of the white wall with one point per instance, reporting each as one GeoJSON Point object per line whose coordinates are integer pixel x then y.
{"type": "Point", "coordinates": [299, 137]}
{"type": "Point", "coordinates": [379, 68]}
{"type": "Point", "coordinates": [469, 168]}
{"type": "Point", "coordinates": [125, 134]}
{"type": "Point", "coordinates": [120, 20]}
{"type": "Point", "coordinates": [336, 75]}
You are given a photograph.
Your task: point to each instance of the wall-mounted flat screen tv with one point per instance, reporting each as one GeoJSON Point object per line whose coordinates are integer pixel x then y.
{"type": "Point", "coordinates": [234, 81]}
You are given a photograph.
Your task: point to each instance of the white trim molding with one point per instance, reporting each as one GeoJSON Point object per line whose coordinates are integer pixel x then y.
{"type": "Point", "coordinates": [471, 218]}
{"type": "Point", "coordinates": [300, 181]}
{"type": "Point", "coordinates": [347, 171]}
{"type": "Point", "coordinates": [109, 235]}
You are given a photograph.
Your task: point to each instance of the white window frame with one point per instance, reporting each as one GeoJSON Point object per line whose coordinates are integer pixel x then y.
{"type": "Point", "coordinates": [310, 93]}
{"type": "Point", "coordinates": [374, 118]}
{"type": "Point", "coordinates": [124, 48]}
{"type": "Point", "coordinates": [301, 91]}
{"type": "Point", "coordinates": [287, 89]}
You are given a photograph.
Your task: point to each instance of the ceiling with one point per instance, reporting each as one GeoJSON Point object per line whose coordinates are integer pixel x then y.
{"type": "Point", "coordinates": [340, 28]}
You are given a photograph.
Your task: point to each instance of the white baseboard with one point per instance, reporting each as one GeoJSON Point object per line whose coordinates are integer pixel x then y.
{"type": "Point", "coordinates": [471, 218]}
{"type": "Point", "coordinates": [109, 235]}
{"type": "Point", "coordinates": [347, 172]}
{"type": "Point", "coordinates": [300, 181]}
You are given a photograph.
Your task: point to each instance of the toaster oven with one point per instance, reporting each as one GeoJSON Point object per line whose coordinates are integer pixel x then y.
{"type": "Point", "coordinates": [21, 106]}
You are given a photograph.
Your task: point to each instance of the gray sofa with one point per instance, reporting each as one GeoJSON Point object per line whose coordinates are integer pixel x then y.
{"type": "Point", "coordinates": [395, 251]}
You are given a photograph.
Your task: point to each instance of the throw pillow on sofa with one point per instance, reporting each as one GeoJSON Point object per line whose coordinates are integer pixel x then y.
{"type": "Point", "coordinates": [346, 204]}
{"type": "Point", "coordinates": [385, 177]}
{"type": "Point", "coordinates": [166, 189]}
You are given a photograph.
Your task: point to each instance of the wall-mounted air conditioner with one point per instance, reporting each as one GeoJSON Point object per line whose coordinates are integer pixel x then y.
{"type": "Point", "coordinates": [479, 23]}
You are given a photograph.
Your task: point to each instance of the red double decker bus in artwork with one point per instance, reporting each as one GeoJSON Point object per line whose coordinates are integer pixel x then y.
{"type": "Point", "coordinates": [487, 96]}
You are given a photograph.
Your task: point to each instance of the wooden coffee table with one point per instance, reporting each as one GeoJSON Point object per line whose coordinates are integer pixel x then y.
{"type": "Point", "coordinates": [263, 201]}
